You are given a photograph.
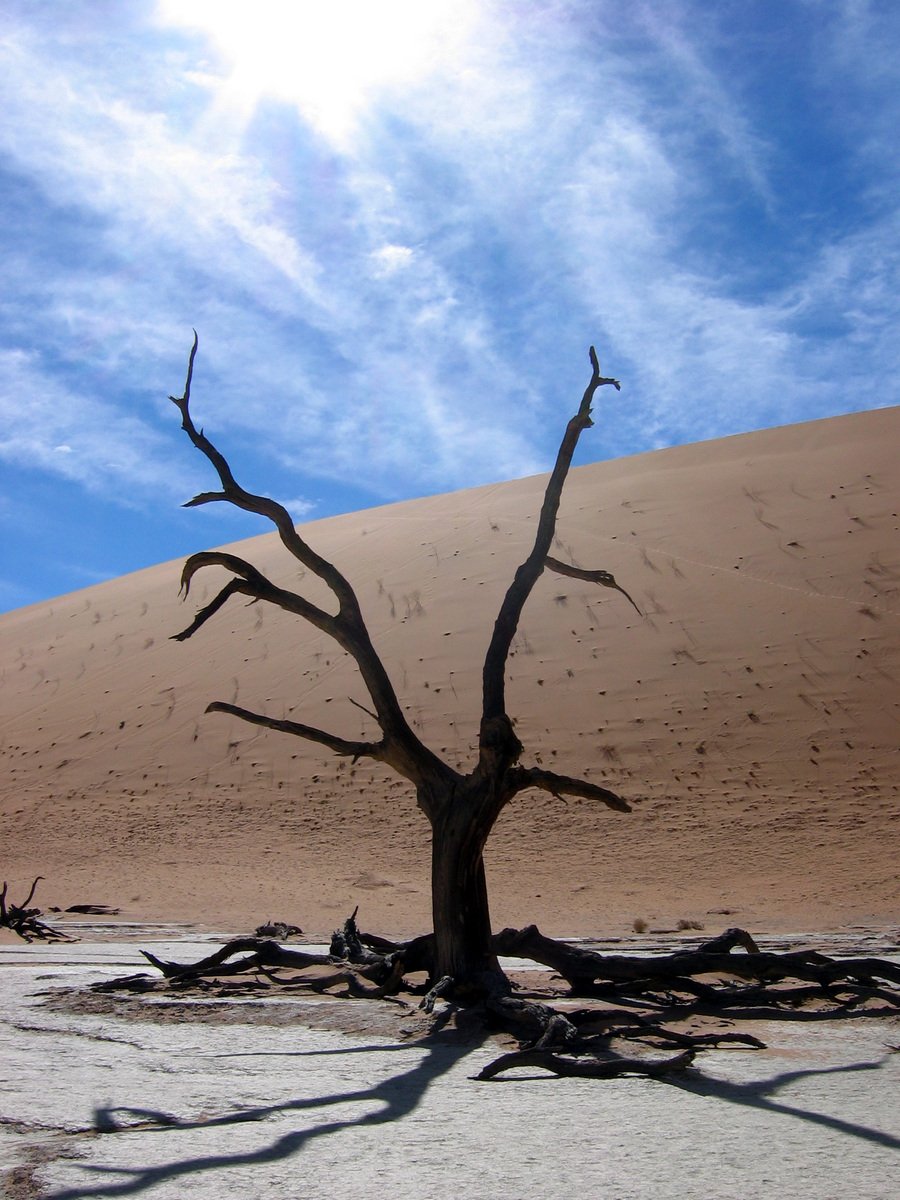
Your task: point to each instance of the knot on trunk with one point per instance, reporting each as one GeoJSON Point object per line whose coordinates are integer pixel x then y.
{"type": "Point", "coordinates": [500, 747]}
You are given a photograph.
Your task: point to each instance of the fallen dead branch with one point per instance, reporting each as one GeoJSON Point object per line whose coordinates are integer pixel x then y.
{"type": "Point", "coordinates": [26, 922]}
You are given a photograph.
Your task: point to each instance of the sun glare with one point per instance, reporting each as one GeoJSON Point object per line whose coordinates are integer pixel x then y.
{"type": "Point", "coordinates": [329, 58]}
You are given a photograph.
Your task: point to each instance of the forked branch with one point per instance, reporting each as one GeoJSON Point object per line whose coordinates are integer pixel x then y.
{"type": "Point", "coordinates": [494, 673]}
{"type": "Point", "coordinates": [399, 746]}
{"type": "Point", "coordinates": [264, 506]}
{"type": "Point", "coordinates": [26, 921]}
{"type": "Point", "coordinates": [252, 583]}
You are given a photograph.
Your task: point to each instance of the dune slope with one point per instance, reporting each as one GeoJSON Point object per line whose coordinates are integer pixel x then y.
{"type": "Point", "coordinates": [751, 714]}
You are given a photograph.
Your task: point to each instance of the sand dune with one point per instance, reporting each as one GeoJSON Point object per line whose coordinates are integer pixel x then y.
{"type": "Point", "coordinates": [751, 714]}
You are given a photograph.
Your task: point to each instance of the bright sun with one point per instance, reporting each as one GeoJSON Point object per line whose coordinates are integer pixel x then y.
{"type": "Point", "coordinates": [329, 57]}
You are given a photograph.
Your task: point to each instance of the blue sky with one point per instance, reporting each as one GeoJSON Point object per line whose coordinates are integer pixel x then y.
{"type": "Point", "coordinates": [398, 226]}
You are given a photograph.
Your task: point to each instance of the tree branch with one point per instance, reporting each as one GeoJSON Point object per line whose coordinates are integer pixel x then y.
{"type": "Point", "coordinates": [363, 708]}
{"type": "Point", "coordinates": [263, 506]}
{"type": "Point", "coordinates": [233, 588]}
{"type": "Point", "coordinates": [339, 745]}
{"type": "Point", "coordinates": [218, 558]}
{"type": "Point", "coordinates": [256, 585]}
{"type": "Point", "coordinates": [406, 752]}
{"type": "Point", "coordinates": [27, 899]}
{"type": "Point", "coordinates": [494, 672]}
{"type": "Point", "coordinates": [602, 577]}
{"type": "Point", "coordinates": [522, 778]}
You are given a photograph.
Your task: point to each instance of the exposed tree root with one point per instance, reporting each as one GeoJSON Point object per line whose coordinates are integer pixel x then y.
{"type": "Point", "coordinates": [258, 952]}
{"type": "Point", "coordinates": [635, 999]}
{"type": "Point", "coordinates": [587, 1067]}
{"type": "Point", "coordinates": [661, 979]}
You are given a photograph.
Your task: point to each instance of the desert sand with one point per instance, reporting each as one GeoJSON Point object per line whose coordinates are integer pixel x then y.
{"type": "Point", "coordinates": [751, 714]}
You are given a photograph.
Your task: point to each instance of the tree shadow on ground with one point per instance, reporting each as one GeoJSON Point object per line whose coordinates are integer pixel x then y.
{"type": "Point", "coordinates": [398, 1095]}
{"type": "Point", "coordinates": [759, 1094]}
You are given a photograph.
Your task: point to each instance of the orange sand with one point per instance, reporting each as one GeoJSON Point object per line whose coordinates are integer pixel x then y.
{"type": "Point", "coordinates": [752, 715]}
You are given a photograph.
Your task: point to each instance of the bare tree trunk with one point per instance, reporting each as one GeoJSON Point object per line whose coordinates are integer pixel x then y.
{"type": "Point", "coordinates": [462, 924]}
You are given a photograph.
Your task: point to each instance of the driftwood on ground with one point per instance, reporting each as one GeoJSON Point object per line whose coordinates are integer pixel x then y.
{"type": "Point", "coordinates": [25, 921]}
{"type": "Point", "coordinates": [89, 910]}
{"type": "Point", "coordinates": [605, 975]}
{"type": "Point", "coordinates": [278, 929]}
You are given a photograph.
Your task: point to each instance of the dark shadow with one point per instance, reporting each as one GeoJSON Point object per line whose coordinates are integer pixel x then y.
{"type": "Point", "coordinates": [798, 1015]}
{"type": "Point", "coordinates": [759, 1093]}
{"type": "Point", "coordinates": [422, 1043]}
{"type": "Point", "coordinates": [399, 1095]}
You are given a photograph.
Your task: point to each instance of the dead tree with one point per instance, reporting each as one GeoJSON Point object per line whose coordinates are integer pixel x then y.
{"type": "Point", "coordinates": [26, 922]}
{"type": "Point", "coordinates": [631, 999]}
{"type": "Point", "coordinates": [461, 808]}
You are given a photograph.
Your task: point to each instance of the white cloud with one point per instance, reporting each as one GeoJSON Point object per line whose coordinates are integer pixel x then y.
{"type": "Point", "coordinates": [100, 152]}
{"type": "Point", "coordinates": [300, 509]}
{"type": "Point", "coordinates": [389, 259]}
{"type": "Point", "coordinates": [713, 101]}
{"type": "Point", "coordinates": [170, 204]}
{"type": "Point", "coordinates": [48, 426]}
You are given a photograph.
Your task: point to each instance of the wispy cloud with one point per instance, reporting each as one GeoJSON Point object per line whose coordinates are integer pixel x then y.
{"type": "Point", "coordinates": [49, 427]}
{"type": "Point", "coordinates": [396, 267]}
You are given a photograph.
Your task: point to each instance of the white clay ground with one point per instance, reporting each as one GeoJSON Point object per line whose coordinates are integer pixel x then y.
{"type": "Point", "coordinates": [105, 1105]}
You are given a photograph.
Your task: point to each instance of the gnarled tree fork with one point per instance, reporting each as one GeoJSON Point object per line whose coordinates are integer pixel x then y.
{"type": "Point", "coordinates": [461, 808]}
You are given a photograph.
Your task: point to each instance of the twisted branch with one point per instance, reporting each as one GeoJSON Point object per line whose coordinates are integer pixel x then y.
{"type": "Point", "coordinates": [601, 577]}
{"type": "Point", "coordinates": [264, 506]}
{"type": "Point", "coordinates": [585, 1068]}
{"type": "Point", "coordinates": [400, 746]}
{"type": "Point", "coordinates": [253, 583]}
